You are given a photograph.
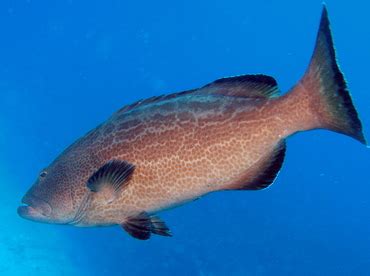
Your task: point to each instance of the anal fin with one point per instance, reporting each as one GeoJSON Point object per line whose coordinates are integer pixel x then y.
{"type": "Point", "coordinates": [262, 174]}
{"type": "Point", "coordinates": [143, 225]}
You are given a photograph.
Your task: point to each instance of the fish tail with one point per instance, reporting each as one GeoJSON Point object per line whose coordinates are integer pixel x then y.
{"type": "Point", "coordinates": [322, 96]}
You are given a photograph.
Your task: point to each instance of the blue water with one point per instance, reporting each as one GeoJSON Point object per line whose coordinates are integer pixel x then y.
{"type": "Point", "coordinates": [65, 66]}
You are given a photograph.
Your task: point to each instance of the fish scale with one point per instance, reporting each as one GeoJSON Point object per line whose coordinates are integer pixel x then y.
{"type": "Point", "coordinates": [161, 152]}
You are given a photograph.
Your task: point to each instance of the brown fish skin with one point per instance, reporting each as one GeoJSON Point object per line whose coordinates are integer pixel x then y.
{"type": "Point", "coordinates": [227, 135]}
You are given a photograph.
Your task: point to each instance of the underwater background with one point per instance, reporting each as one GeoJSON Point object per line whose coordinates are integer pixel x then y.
{"type": "Point", "coordinates": [66, 66]}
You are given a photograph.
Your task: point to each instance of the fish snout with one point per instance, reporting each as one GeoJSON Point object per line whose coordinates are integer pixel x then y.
{"type": "Point", "coordinates": [34, 208]}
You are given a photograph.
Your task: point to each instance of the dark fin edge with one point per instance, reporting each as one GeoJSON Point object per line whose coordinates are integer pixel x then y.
{"type": "Point", "coordinates": [247, 86]}
{"type": "Point", "coordinates": [324, 70]}
{"type": "Point", "coordinates": [143, 225]}
{"type": "Point", "coordinates": [265, 171]}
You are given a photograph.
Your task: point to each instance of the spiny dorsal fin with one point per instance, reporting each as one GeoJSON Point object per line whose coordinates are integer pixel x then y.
{"type": "Point", "coordinates": [111, 178]}
{"type": "Point", "coordinates": [247, 86]}
{"type": "Point", "coordinates": [264, 172]}
{"type": "Point", "coordinates": [143, 225]}
{"type": "Point", "coordinates": [154, 99]}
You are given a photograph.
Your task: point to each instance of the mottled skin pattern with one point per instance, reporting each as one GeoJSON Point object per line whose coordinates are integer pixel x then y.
{"type": "Point", "coordinates": [223, 136]}
{"type": "Point", "coordinates": [182, 148]}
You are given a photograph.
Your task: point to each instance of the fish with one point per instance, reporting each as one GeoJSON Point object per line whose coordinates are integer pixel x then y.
{"type": "Point", "coordinates": [168, 150]}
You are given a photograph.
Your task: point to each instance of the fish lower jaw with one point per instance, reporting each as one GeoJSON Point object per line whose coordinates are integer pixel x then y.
{"type": "Point", "coordinates": [30, 213]}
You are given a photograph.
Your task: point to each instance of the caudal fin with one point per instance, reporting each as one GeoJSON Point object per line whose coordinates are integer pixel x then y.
{"type": "Point", "coordinates": [325, 88]}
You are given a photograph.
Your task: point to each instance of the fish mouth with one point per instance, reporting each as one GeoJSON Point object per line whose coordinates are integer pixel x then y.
{"type": "Point", "coordinates": [35, 209]}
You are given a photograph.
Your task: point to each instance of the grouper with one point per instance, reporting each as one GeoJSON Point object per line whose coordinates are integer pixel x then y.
{"type": "Point", "coordinates": [164, 151]}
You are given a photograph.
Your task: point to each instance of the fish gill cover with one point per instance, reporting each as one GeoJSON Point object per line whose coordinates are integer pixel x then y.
{"type": "Point", "coordinates": [66, 66]}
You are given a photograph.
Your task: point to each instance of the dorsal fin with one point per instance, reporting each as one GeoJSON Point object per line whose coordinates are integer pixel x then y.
{"type": "Point", "coordinates": [246, 86]}
{"type": "Point", "coordinates": [154, 99]}
{"type": "Point", "coordinates": [263, 173]}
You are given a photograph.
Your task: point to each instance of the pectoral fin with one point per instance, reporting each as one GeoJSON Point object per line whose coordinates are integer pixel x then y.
{"type": "Point", "coordinates": [111, 178]}
{"type": "Point", "coordinates": [143, 225]}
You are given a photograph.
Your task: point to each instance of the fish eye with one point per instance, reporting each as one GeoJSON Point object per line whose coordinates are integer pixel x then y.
{"type": "Point", "coordinates": [43, 174]}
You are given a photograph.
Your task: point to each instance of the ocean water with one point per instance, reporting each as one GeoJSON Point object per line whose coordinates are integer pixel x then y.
{"type": "Point", "coordinates": [65, 66]}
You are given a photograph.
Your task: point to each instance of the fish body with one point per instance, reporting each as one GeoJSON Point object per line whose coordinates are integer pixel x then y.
{"type": "Point", "coordinates": [182, 148]}
{"type": "Point", "coordinates": [168, 150]}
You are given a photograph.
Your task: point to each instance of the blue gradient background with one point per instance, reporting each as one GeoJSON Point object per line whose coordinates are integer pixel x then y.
{"type": "Point", "coordinates": [65, 66]}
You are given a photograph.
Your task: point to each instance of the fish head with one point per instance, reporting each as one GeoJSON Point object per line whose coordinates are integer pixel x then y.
{"type": "Point", "coordinates": [55, 195]}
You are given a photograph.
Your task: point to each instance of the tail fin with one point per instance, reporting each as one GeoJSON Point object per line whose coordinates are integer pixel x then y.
{"type": "Point", "coordinates": [325, 89]}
